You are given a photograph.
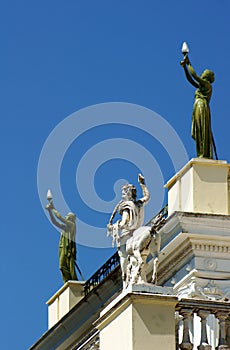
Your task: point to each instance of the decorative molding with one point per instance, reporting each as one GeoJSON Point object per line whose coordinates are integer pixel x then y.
{"type": "Point", "coordinates": [194, 290]}
{"type": "Point", "coordinates": [210, 264]}
{"type": "Point", "coordinates": [211, 247]}
{"type": "Point", "coordinates": [188, 235]}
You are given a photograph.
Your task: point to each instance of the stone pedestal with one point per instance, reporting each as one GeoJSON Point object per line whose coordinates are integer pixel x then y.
{"type": "Point", "coordinates": [138, 319]}
{"type": "Point", "coordinates": [63, 300]}
{"type": "Point", "coordinates": [201, 186]}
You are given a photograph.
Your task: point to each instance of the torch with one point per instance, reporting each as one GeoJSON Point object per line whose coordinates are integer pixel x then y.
{"type": "Point", "coordinates": [185, 51]}
{"type": "Point", "coordinates": [49, 197]}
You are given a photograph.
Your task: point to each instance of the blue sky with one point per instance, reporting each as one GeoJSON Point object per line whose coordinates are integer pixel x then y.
{"type": "Point", "coordinates": [58, 57]}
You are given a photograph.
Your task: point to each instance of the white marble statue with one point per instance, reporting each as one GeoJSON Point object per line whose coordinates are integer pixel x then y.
{"type": "Point", "coordinates": [134, 241]}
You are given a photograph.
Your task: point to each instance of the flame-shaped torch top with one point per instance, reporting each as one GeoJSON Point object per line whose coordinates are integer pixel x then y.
{"type": "Point", "coordinates": [185, 48]}
{"type": "Point", "coordinates": [49, 195]}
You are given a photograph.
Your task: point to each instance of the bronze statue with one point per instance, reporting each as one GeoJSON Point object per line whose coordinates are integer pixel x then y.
{"type": "Point", "coordinates": [67, 245]}
{"type": "Point", "coordinates": [201, 116]}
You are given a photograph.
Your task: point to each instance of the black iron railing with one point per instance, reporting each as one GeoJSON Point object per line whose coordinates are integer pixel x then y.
{"type": "Point", "coordinates": [157, 221]}
{"type": "Point", "coordinates": [101, 273]}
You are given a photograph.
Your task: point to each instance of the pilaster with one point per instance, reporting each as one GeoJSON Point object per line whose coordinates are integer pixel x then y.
{"type": "Point", "coordinates": [201, 186]}
{"type": "Point", "coordinates": [64, 300]}
{"type": "Point", "coordinates": [138, 318]}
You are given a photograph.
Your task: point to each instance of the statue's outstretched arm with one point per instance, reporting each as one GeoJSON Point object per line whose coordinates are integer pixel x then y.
{"type": "Point", "coordinates": [189, 78]}
{"type": "Point", "coordinates": [58, 215]}
{"type": "Point", "coordinates": [54, 221]}
{"type": "Point", "coordinates": [145, 191]}
{"type": "Point", "coordinates": [195, 76]}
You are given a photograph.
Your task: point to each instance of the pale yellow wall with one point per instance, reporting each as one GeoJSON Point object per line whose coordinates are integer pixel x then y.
{"type": "Point", "coordinates": [63, 300]}
{"type": "Point", "coordinates": [202, 186]}
{"type": "Point", "coordinates": [118, 334]}
{"type": "Point", "coordinates": [64, 303]}
{"type": "Point", "coordinates": [210, 189]}
{"type": "Point", "coordinates": [153, 325]}
{"type": "Point", "coordinates": [187, 191]}
{"type": "Point", "coordinates": [138, 323]}
{"type": "Point", "coordinates": [174, 198]}
{"type": "Point", "coordinates": [53, 313]}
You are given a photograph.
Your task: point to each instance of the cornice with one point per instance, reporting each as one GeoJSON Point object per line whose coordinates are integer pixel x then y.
{"type": "Point", "coordinates": [195, 223]}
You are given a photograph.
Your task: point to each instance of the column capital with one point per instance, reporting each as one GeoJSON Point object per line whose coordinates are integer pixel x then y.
{"type": "Point", "coordinates": [222, 315]}
{"type": "Point", "coordinates": [203, 314]}
{"type": "Point", "coordinates": [186, 312]}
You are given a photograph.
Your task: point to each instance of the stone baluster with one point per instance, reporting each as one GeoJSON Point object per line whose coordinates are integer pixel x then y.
{"type": "Point", "coordinates": [222, 316]}
{"type": "Point", "coordinates": [94, 345]}
{"type": "Point", "coordinates": [203, 314]}
{"type": "Point", "coordinates": [186, 343]}
{"type": "Point", "coordinates": [178, 319]}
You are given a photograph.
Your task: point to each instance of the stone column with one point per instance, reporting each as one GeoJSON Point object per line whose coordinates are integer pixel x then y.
{"type": "Point", "coordinates": [186, 343]}
{"type": "Point", "coordinates": [178, 320]}
{"type": "Point", "coordinates": [95, 345]}
{"type": "Point", "coordinates": [139, 319]}
{"type": "Point", "coordinates": [203, 314]}
{"type": "Point", "coordinates": [222, 316]}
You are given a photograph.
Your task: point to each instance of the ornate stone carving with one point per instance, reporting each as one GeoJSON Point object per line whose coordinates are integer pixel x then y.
{"type": "Point", "coordinates": [134, 241]}
{"type": "Point", "coordinates": [210, 264]}
{"type": "Point", "coordinates": [195, 290]}
{"type": "Point", "coordinates": [211, 247]}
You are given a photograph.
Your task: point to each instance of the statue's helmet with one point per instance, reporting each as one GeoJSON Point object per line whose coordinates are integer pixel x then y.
{"type": "Point", "coordinates": [130, 191]}
{"type": "Point", "coordinates": [208, 75]}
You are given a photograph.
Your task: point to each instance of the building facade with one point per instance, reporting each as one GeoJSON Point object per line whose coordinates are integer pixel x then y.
{"type": "Point", "coordinates": [188, 309]}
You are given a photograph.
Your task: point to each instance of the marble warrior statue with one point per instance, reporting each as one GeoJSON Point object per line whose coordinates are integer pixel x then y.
{"type": "Point", "coordinates": [132, 239]}
{"type": "Point", "coordinates": [67, 245]}
{"type": "Point", "coordinates": [201, 116]}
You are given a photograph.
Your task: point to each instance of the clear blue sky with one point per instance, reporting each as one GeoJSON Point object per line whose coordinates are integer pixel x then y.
{"type": "Point", "coordinates": [58, 57]}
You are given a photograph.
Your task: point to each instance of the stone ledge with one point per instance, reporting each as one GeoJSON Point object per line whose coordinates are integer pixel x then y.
{"type": "Point", "coordinates": [149, 288]}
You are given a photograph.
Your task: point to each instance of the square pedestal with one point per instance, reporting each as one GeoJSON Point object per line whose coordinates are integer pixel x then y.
{"type": "Point", "coordinates": [201, 186]}
{"type": "Point", "coordinates": [63, 300]}
{"type": "Point", "coordinates": [138, 320]}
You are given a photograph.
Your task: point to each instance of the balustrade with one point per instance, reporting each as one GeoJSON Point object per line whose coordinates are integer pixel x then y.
{"type": "Point", "coordinates": [187, 308]}
{"type": "Point", "coordinates": [90, 342]}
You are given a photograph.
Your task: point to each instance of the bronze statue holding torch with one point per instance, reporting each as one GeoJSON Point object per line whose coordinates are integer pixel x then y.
{"type": "Point", "coordinates": [67, 244]}
{"type": "Point", "coordinates": [201, 116]}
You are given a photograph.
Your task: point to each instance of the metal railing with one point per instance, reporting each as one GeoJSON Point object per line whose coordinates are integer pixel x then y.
{"type": "Point", "coordinates": [101, 273]}
{"type": "Point", "coordinates": [159, 219]}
